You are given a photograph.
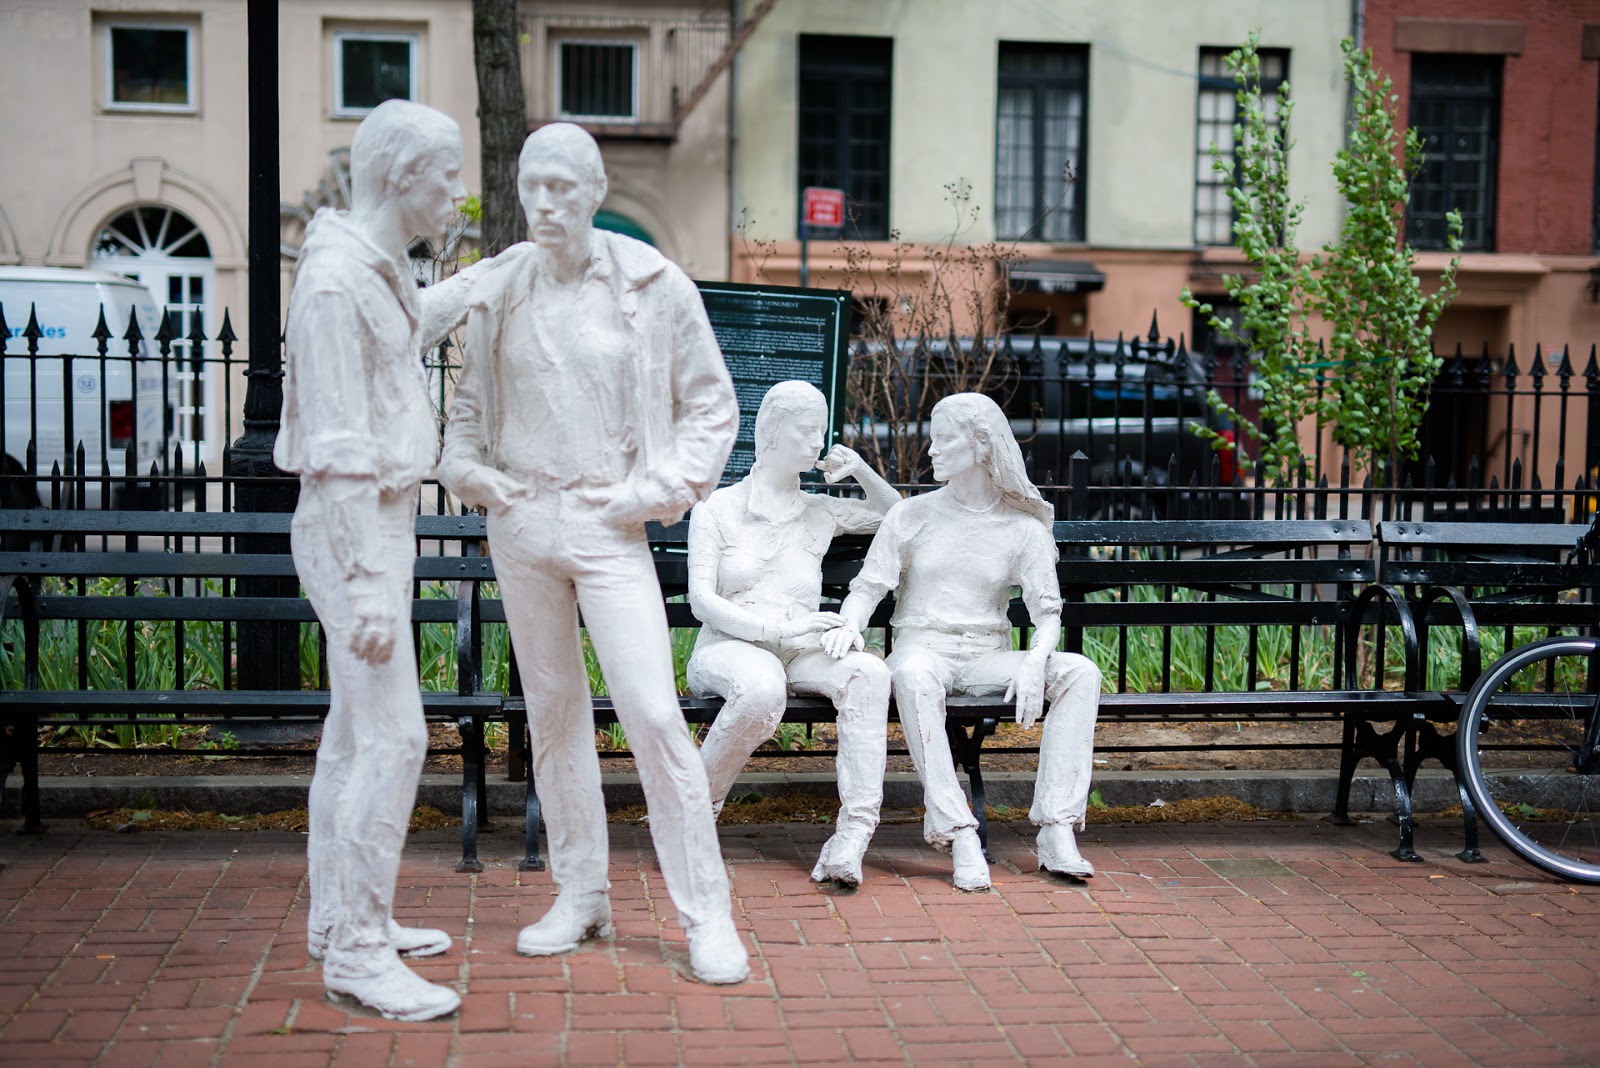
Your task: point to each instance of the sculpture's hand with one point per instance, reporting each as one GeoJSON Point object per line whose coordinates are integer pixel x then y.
{"type": "Point", "coordinates": [842, 640]}
{"type": "Point", "coordinates": [841, 462]}
{"type": "Point", "coordinates": [637, 501]}
{"type": "Point", "coordinates": [811, 623]}
{"type": "Point", "coordinates": [482, 486]}
{"type": "Point", "coordinates": [376, 624]}
{"type": "Point", "coordinates": [1027, 689]}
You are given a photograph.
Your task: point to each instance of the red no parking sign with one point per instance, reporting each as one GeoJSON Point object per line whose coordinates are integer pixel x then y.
{"type": "Point", "coordinates": [824, 208]}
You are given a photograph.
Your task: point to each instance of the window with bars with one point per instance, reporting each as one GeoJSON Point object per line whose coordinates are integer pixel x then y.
{"type": "Point", "coordinates": [844, 124]}
{"type": "Point", "coordinates": [597, 80]}
{"type": "Point", "coordinates": [369, 68]}
{"type": "Point", "coordinates": [1042, 106]}
{"type": "Point", "coordinates": [1218, 111]}
{"type": "Point", "coordinates": [1455, 110]}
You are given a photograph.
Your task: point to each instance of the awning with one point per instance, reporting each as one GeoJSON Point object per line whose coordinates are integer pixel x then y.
{"type": "Point", "coordinates": [1056, 276]}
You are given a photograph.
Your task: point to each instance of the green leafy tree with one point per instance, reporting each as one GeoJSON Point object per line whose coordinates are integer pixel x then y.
{"type": "Point", "coordinates": [1273, 296]}
{"type": "Point", "coordinates": [1381, 341]}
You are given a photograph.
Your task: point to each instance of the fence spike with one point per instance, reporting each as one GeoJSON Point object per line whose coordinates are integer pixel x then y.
{"type": "Point", "coordinates": [1536, 372]}
{"type": "Point", "coordinates": [33, 332]}
{"type": "Point", "coordinates": [5, 331]}
{"type": "Point", "coordinates": [1564, 370]}
{"type": "Point", "coordinates": [166, 331]}
{"type": "Point", "coordinates": [1155, 331]}
{"type": "Point", "coordinates": [102, 333]}
{"type": "Point", "coordinates": [1591, 371]}
{"type": "Point", "coordinates": [226, 335]}
{"type": "Point", "coordinates": [31, 458]}
{"type": "Point", "coordinates": [1511, 370]}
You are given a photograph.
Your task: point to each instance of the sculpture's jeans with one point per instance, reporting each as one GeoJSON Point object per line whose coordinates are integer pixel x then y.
{"type": "Point", "coordinates": [929, 666]}
{"type": "Point", "coordinates": [553, 555]}
{"type": "Point", "coordinates": [374, 740]}
{"type": "Point", "coordinates": [753, 683]}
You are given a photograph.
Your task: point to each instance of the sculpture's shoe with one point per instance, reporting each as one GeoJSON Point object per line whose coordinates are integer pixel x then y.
{"type": "Point", "coordinates": [574, 917]}
{"type": "Point", "coordinates": [408, 942]}
{"type": "Point", "coordinates": [840, 861]}
{"type": "Point", "coordinates": [972, 871]}
{"type": "Point", "coordinates": [389, 988]}
{"type": "Point", "coordinates": [1058, 851]}
{"type": "Point", "coordinates": [716, 954]}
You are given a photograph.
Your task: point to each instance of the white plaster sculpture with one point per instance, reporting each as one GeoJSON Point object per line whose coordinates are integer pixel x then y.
{"type": "Point", "coordinates": [361, 432]}
{"type": "Point", "coordinates": [594, 397]}
{"type": "Point", "coordinates": [755, 581]}
{"type": "Point", "coordinates": [951, 557]}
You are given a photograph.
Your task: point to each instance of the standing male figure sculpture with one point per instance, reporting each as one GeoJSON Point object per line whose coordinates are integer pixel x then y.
{"type": "Point", "coordinates": [592, 399]}
{"type": "Point", "coordinates": [359, 429]}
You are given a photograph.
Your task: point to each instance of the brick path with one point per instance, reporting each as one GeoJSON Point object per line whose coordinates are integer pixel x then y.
{"type": "Point", "coordinates": [1254, 943]}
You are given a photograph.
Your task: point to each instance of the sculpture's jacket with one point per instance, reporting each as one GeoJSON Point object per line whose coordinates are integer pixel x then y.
{"type": "Point", "coordinates": [685, 413]}
{"type": "Point", "coordinates": [348, 415]}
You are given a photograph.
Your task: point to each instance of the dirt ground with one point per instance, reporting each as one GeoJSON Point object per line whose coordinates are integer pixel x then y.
{"type": "Point", "coordinates": [1187, 747]}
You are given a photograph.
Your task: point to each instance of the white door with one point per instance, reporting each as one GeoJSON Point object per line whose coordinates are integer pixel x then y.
{"type": "Point", "coordinates": [164, 251]}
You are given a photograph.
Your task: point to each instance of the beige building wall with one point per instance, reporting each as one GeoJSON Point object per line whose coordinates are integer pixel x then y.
{"type": "Point", "coordinates": [71, 164]}
{"type": "Point", "coordinates": [1141, 142]}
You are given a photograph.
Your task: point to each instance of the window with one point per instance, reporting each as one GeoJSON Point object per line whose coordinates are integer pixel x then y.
{"type": "Point", "coordinates": [1455, 110]}
{"type": "Point", "coordinates": [369, 68]}
{"type": "Point", "coordinates": [844, 124]}
{"type": "Point", "coordinates": [1218, 110]}
{"type": "Point", "coordinates": [597, 80]}
{"type": "Point", "coordinates": [149, 67]}
{"type": "Point", "coordinates": [1039, 136]}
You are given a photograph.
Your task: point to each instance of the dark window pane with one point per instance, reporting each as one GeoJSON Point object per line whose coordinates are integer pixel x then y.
{"type": "Point", "coordinates": [597, 80]}
{"type": "Point", "coordinates": [1455, 110]}
{"type": "Point", "coordinates": [1041, 103]}
{"type": "Point", "coordinates": [149, 66]}
{"type": "Point", "coordinates": [845, 107]}
{"type": "Point", "coordinates": [1218, 109]}
{"type": "Point", "coordinates": [373, 71]}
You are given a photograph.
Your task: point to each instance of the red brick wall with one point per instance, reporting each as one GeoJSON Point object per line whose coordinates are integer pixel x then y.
{"type": "Point", "coordinates": [1549, 95]}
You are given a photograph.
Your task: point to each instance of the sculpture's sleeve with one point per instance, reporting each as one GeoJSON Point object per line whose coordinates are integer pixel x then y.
{"type": "Point", "coordinates": [880, 571]}
{"type": "Point", "coordinates": [1036, 573]}
{"type": "Point", "coordinates": [707, 543]}
{"type": "Point", "coordinates": [333, 386]}
{"type": "Point", "coordinates": [444, 304]}
{"type": "Point", "coordinates": [466, 431]}
{"type": "Point", "coordinates": [852, 516]}
{"type": "Point", "coordinates": [705, 411]}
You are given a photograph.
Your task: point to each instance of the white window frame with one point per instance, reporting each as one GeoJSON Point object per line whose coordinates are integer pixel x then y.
{"type": "Point", "coordinates": [191, 75]}
{"type": "Point", "coordinates": [608, 42]}
{"type": "Point", "coordinates": [340, 111]}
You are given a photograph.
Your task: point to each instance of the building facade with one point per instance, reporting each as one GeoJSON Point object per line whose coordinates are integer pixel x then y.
{"type": "Point", "coordinates": [898, 103]}
{"type": "Point", "coordinates": [1505, 95]}
{"type": "Point", "coordinates": [129, 149]}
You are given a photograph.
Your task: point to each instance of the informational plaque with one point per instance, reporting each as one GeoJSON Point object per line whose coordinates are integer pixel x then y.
{"type": "Point", "coordinates": [771, 334]}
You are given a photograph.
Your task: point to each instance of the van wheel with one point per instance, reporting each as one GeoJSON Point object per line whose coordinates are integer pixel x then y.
{"type": "Point", "coordinates": [17, 490]}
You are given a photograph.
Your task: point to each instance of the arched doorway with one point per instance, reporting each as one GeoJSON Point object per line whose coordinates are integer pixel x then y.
{"type": "Point", "coordinates": [163, 250]}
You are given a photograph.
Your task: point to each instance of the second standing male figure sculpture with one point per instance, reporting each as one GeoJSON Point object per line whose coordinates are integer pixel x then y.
{"type": "Point", "coordinates": [594, 398]}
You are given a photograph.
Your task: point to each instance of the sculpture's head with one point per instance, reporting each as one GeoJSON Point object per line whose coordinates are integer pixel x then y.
{"type": "Point", "coordinates": [967, 431]}
{"type": "Point", "coordinates": [406, 157]}
{"type": "Point", "coordinates": [561, 181]}
{"type": "Point", "coordinates": [791, 426]}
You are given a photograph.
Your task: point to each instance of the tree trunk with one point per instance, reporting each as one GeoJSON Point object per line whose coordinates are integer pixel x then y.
{"type": "Point", "coordinates": [502, 119]}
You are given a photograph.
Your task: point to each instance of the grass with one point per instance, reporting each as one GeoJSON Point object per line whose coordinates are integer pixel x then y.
{"type": "Point", "coordinates": [1132, 658]}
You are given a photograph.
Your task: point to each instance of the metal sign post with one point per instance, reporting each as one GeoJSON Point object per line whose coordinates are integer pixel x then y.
{"type": "Point", "coordinates": [821, 208]}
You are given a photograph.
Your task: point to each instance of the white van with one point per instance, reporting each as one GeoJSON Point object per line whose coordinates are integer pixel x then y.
{"type": "Point", "coordinates": [67, 303]}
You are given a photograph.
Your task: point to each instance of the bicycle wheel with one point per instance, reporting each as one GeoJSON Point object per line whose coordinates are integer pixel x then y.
{"type": "Point", "coordinates": [1527, 753]}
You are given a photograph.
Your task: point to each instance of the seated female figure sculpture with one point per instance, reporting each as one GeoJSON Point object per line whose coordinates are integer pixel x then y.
{"type": "Point", "coordinates": [755, 581]}
{"type": "Point", "coordinates": [952, 556]}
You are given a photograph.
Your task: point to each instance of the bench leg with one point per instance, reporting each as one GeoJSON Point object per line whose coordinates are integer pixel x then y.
{"type": "Point", "coordinates": [21, 747]}
{"type": "Point", "coordinates": [517, 746]}
{"type": "Point", "coordinates": [532, 820]}
{"type": "Point", "coordinates": [1441, 747]}
{"type": "Point", "coordinates": [472, 808]}
{"type": "Point", "coordinates": [968, 750]}
{"type": "Point", "coordinates": [1349, 757]}
{"type": "Point", "coordinates": [1388, 754]}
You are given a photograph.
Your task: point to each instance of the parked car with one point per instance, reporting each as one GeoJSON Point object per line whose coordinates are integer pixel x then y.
{"type": "Point", "coordinates": [106, 412]}
{"type": "Point", "coordinates": [1130, 407]}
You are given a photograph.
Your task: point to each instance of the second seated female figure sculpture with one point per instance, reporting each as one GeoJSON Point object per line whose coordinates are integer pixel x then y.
{"type": "Point", "coordinates": [952, 557]}
{"type": "Point", "coordinates": [755, 581]}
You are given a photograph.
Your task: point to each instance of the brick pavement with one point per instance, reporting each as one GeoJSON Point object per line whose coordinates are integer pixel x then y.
{"type": "Point", "coordinates": [1236, 943]}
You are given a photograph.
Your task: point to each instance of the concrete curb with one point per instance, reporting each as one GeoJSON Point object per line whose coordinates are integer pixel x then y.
{"type": "Point", "coordinates": [1309, 793]}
